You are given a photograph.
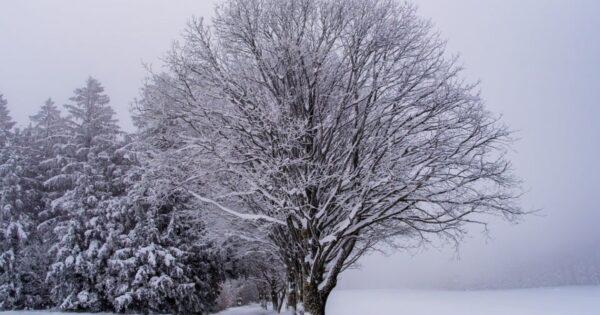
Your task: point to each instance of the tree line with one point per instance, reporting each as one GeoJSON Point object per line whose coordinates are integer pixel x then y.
{"type": "Point", "coordinates": [87, 224]}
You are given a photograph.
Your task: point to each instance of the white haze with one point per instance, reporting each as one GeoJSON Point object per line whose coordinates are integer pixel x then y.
{"type": "Point", "coordinates": [538, 64]}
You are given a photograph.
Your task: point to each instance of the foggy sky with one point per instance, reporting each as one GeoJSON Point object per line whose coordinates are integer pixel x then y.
{"type": "Point", "coordinates": [538, 66]}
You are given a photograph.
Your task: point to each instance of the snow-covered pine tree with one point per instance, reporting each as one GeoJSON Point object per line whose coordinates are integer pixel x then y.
{"type": "Point", "coordinates": [12, 234]}
{"type": "Point", "coordinates": [6, 122]}
{"type": "Point", "coordinates": [50, 138]}
{"type": "Point", "coordinates": [164, 262]}
{"type": "Point", "coordinates": [20, 275]}
{"type": "Point", "coordinates": [51, 141]}
{"type": "Point", "coordinates": [37, 146]}
{"type": "Point", "coordinates": [32, 258]}
{"type": "Point", "coordinates": [81, 250]}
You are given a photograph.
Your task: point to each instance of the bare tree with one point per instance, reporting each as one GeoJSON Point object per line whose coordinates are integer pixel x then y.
{"type": "Point", "coordinates": [341, 124]}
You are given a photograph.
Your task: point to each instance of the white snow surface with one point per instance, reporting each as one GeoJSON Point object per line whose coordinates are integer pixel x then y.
{"type": "Point", "coordinates": [246, 310]}
{"type": "Point", "coordinates": [48, 313]}
{"type": "Point", "coordinates": [543, 301]}
{"type": "Point", "coordinates": [575, 300]}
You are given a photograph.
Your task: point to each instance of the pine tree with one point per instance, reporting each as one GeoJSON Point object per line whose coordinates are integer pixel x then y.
{"type": "Point", "coordinates": [6, 122]}
{"type": "Point", "coordinates": [50, 138]}
{"type": "Point", "coordinates": [168, 263]}
{"type": "Point", "coordinates": [164, 262]}
{"type": "Point", "coordinates": [32, 258]}
{"type": "Point", "coordinates": [81, 249]}
{"type": "Point", "coordinates": [49, 129]}
{"type": "Point", "coordinates": [35, 146]}
{"type": "Point", "coordinates": [12, 233]}
{"type": "Point", "coordinates": [19, 205]}
{"type": "Point", "coordinates": [13, 236]}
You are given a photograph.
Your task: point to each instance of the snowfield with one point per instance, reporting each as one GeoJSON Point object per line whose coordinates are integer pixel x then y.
{"type": "Point", "coordinates": [544, 301]}
{"type": "Point", "coordinates": [582, 300]}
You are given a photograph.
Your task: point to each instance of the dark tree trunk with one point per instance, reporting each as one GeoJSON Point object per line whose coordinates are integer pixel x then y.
{"type": "Point", "coordinates": [282, 296]}
{"type": "Point", "coordinates": [274, 299]}
{"type": "Point", "coordinates": [262, 297]}
{"type": "Point", "coordinates": [300, 287]}
{"type": "Point", "coordinates": [292, 298]}
{"type": "Point", "coordinates": [314, 303]}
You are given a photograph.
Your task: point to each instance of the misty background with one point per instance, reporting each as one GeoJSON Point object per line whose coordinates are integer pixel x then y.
{"type": "Point", "coordinates": [538, 62]}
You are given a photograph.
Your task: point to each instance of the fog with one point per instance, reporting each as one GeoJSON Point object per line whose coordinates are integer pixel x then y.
{"type": "Point", "coordinates": [538, 66]}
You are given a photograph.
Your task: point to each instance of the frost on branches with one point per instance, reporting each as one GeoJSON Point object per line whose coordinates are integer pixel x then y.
{"type": "Point", "coordinates": [21, 277]}
{"type": "Point", "coordinates": [84, 241]}
{"type": "Point", "coordinates": [283, 142]}
{"type": "Point", "coordinates": [339, 124]}
{"type": "Point", "coordinates": [92, 220]}
{"type": "Point", "coordinates": [125, 238]}
{"type": "Point", "coordinates": [164, 263]}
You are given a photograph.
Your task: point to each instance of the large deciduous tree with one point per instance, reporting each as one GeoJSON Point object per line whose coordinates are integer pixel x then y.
{"type": "Point", "coordinates": [341, 124]}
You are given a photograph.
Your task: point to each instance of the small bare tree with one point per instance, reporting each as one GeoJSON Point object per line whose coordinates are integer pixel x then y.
{"type": "Point", "coordinates": [340, 123]}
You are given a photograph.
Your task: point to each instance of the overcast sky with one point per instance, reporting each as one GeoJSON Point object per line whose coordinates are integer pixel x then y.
{"type": "Point", "coordinates": [537, 61]}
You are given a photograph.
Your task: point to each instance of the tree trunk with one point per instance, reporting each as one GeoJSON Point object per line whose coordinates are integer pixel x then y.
{"type": "Point", "coordinates": [314, 304]}
{"type": "Point", "coordinates": [299, 280]}
{"type": "Point", "coordinates": [274, 299]}
{"type": "Point", "coordinates": [292, 298]}
{"type": "Point", "coordinates": [281, 299]}
{"type": "Point", "coordinates": [262, 297]}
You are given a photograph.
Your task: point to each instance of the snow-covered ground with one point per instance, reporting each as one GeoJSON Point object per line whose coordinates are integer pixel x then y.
{"type": "Point", "coordinates": [48, 313]}
{"type": "Point", "coordinates": [246, 310]}
{"type": "Point", "coordinates": [544, 301]}
{"type": "Point", "coordinates": [584, 300]}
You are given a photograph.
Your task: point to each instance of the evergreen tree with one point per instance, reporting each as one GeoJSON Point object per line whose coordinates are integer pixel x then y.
{"type": "Point", "coordinates": [51, 142]}
{"type": "Point", "coordinates": [167, 263]}
{"type": "Point", "coordinates": [34, 147]}
{"type": "Point", "coordinates": [164, 262]}
{"type": "Point", "coordinates": [32, 258]}
{"type": "Point", "coordinates": [81, 249]}
{"type": "Point", "coordinates": [20, 275]}
{"type": "Point", "coordinates": [12, 233]}
{"type": "Point", "coordinates": [6, 122]}
{"type": "Point", "coordinates": [49, 129]}
{"type": "Point", "coordinates": [13, 236]}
